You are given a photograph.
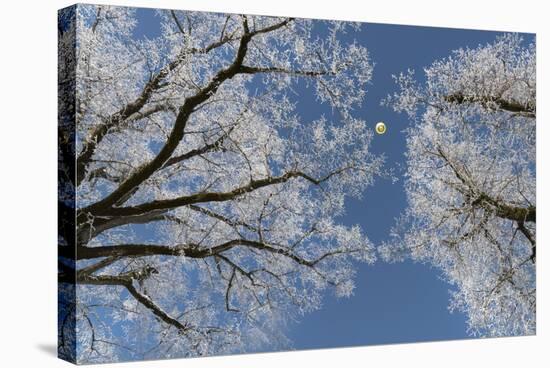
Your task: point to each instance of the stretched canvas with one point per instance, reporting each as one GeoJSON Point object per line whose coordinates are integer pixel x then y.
{"type": "Point", "coordinates": [236, 183]}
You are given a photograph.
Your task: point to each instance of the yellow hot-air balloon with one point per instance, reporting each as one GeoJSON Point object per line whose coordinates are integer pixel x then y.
{"type": "Point", "coordinates": [380, 127]}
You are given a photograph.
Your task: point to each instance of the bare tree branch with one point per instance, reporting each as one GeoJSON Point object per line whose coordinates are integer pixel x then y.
{"type": "Point", "coordinates": [507, 105]}
{"type": "Point", "coordinates": [185, 111]}
{"type": "Point", "coordinates": [479, 198]}
{"type": "Point", "coordinates": [145, 300]}
{"type": "Point", "coordinates": [202, 197]}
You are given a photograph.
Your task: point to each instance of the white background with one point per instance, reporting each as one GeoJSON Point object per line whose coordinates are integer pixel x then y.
{"type": "Point", "coordinates": [28, 35]}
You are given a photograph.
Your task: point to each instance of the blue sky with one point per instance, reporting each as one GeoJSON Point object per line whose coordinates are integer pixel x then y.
{"type": "Point", "coordinates": [393, 303]}
{"type": "Point", "coordinates": [403, 302]}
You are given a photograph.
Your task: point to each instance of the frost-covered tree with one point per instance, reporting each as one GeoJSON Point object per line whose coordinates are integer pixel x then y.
{"type": "Point", "coordinates": [206, 207]}
{"type": "Point", "coordinates": [470, 181]}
